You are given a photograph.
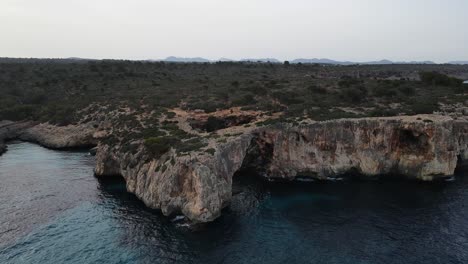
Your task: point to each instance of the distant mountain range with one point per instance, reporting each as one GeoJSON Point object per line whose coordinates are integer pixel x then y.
{"type": "Point", "coordinates": [381, 62]}
{"type": "Point", "coordinates": [180, 59]}
{"type": "Point", "coordinates": [459, 62]}
{"type": "Point", "coordinates": [305, 61]}
{"type": "Point", "coordinates": [272, 60]}
{"type": "Point", "coordinates": [261, 60]}
{"type": "Point", "coordinates": [203, 60]}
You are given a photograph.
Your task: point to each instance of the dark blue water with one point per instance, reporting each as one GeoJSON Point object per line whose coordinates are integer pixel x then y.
{"type": "Point", "coordinates": [52, 210]}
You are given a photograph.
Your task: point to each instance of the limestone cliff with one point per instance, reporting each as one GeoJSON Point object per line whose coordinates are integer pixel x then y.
{"type": "Point", "coordinates": [199, 185]}
{"type": "Point", "coordinates": [423, 149]}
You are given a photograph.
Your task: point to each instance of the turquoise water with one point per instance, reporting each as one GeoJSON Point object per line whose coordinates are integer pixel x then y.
{"type": "Point", "coordinates": [53, 210]}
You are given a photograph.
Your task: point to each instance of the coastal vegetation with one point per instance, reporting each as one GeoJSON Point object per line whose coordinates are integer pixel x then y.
{"type": "Point", "coordinates": [138, 98]}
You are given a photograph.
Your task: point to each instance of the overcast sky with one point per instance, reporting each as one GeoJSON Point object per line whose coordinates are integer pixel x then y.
{"type": "Point", "coordinates": [357, 30]}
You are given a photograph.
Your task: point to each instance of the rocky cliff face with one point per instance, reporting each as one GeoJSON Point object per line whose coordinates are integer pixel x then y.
{"type": "Point", "coordinates": [424, 148]}
{"type": "Point", "coordinates": [199, 185]}
{"type": "Point", "coordinates": [460, 132]}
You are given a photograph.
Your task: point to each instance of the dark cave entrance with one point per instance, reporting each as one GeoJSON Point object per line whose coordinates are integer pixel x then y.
{"type": "Point", "coordinates": [412, 142]}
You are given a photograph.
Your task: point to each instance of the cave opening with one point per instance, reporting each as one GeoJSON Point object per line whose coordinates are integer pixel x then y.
{"type": "Point", "coordinates": [257, 158]}
{"type": "Point", "coordinates": [412, 142]}
{"type": "Point", "coordinates": [462, 165]}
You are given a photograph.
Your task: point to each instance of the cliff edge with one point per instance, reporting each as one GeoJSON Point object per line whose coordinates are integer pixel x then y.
{"type": "Point", "coordinates": [199, 185]}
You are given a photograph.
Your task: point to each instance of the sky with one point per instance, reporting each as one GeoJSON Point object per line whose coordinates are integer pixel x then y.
{"type": "Point", "coordinates": [355, 30]}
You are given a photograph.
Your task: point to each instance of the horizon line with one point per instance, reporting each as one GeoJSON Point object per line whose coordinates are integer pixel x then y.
{"type": "Point", "coordinates": [246, 59]}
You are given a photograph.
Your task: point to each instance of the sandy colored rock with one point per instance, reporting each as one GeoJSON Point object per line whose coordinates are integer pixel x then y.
{"type": "Point", "coordinates": [199, 185]}
{"type": "Point", "coordinates": [10, 130]}
{"type": "Point", "coordinates": [60, 137]}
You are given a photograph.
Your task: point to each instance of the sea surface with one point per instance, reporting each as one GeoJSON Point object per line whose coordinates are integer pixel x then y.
{"type": "Point", "coordinates": [53, 210]}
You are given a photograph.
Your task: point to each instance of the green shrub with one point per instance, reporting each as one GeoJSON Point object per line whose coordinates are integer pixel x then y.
{"type": "Point", "coordinates": [19, 112]}
{"type": "Point", "coordinates": [247, 99]}
{"type": "Point", "coordinates": [435, 78]}
{"type": "Point", "coordinates": [317, 89]}
{"type": "Point", "coordinates": [407, 90]}
{"type": "Point", "coordinates": [211, 151]}
{"type": "Point", "coordinates": [190, 145]}
{"type": "Point", "coordinates": [424, 106]}
{"type": "Point", "coordinates": [160, 145]}
{"type": "Point", "coordinates": [354, 94]}
{"type": "Point", "coordinates": [347, 81]}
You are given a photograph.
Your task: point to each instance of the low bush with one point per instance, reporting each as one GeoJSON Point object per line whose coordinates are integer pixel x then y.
{"type": "Point", "coordinates": [436, 78]}
{"type": "Point", "coordinates": [160, 145]}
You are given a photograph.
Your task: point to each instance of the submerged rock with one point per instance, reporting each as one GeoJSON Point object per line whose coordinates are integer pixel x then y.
{"type": "Point", "coordinates": [199, 185]}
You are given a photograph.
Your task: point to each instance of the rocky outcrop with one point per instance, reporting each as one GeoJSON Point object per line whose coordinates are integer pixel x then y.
{"type": "Point", "coordinates": [424, 148]}
{"type": "Point", "coordinates": [10, 130]}
{"type": "Point", "coordinates": [199, 185]}
{"type": "Point", "coordinates": [55, 137]}
{"type": "Point", "coordinates": [50, 136]}
{"type": "Point", "coordinates": [460, 132]}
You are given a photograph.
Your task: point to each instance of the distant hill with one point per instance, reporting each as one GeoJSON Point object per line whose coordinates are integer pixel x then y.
{"type": "Point", "coordinates": [253, 60]}
{"type": "Point", "coordinates": [273, 60]}
{"type": "Point", "coordinates": [322, 61]}
{"type": "Point", "coordinates": [44, 60]}
{"type": "Point", "coordinates": [203, 60]}
{"type": "Point", "coordinates": [381, 62]}
{"type": "Point", "coordinates": [181, 59]}
{"type": "Point", "coordinates": [458, 62]}
{"type": "Point", "coordinates": [225, 59]}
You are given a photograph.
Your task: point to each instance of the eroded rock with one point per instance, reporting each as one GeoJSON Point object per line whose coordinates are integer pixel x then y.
{"type": "Point", "coordinates": [60, 137]}
{"type": "Point", "coordinates": [373, 146]}
{"type": "Point", "coordinates": [199, 185]}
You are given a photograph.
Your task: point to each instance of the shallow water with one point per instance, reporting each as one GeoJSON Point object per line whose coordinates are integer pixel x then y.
{"type": "Point", "coordinates": [53, 210]}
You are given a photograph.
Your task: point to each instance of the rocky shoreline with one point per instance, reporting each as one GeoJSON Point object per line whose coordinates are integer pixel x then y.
{"type": "Point", "coordinates": [199, 184]}
{"type": "Point", "coordinates": [49, 136]}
